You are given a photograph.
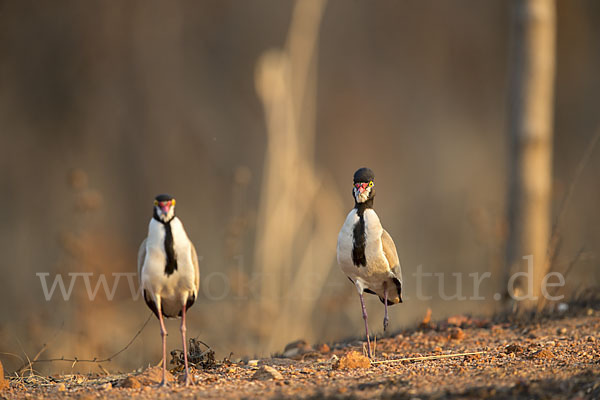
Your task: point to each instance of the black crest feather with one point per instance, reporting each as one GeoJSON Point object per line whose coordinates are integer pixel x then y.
{"type": "Point", "coordinates": [363, 175]}
{"type": "Point", "coordinates": [164, 197]}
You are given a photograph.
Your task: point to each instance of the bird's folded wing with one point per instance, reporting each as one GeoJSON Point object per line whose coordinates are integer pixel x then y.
{"type": "Point", "coordinates": [196, 268]}
{"type": "Point", "coordinates": [389, 249]}
{"type": "Point", "coordinates": [140, 260]}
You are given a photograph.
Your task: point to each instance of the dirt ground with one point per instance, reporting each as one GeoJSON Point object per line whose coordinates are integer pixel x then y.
{"type": "Point", "coordinates": [555, 357]}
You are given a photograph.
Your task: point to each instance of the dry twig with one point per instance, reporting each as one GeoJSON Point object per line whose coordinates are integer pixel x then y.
{"type": "Point", "coordinates": [76, 359]}
{"type": "Point", "coordinates": [428, 357]}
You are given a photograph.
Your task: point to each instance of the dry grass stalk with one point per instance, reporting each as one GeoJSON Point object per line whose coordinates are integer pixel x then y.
{"type": "Point", "coordinates": [75, 360]}
{"type": "Point", "coordinates": [427, 357]}
{"type": "Point", "coordinates": [555, 237]}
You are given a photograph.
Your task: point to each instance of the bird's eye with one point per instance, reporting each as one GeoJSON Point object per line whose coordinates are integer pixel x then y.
{"type": "Point", "coordinates": [155, 202]}
{"type": "Point", "coordinates": [371, 183]}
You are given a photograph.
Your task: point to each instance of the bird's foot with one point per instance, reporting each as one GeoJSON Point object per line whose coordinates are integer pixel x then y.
{"type": "Point", "coordinates": [163, 384]}
{"type": "Point", "coordinates": [386, 322]}
{"type": "Point", "coordinates": [368, 346]}
{"type": "Point", "coordinates": [187, 380]}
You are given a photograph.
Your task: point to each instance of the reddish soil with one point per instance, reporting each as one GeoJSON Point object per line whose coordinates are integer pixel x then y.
{"type": "Point", "coordinates": [543, 358]}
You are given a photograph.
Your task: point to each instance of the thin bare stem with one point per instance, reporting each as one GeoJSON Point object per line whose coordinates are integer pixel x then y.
{"type": "Point", "coordinates": [427, 357]}
{"type": "Point", "coordinates": [75, 360]}
{"type": "Point", "coordinates": [554, 242]}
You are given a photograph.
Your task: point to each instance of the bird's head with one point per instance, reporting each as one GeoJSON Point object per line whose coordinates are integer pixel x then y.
{"type": "Point", "coordinates": [164, 207]}
{"type": "Point", "coordinates": [364, 188]}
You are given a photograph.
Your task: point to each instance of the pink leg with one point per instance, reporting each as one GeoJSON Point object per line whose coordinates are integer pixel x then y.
{"type": "Point", "coordinates": [187, 378]}
{"type": "Point", "coordinates": [163, 334]}
{"type": "Point", "coordinates": [364, 313]}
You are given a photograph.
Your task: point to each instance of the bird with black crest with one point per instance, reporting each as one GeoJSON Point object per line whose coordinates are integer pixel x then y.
{"type": "Point", "coordinates": [168, 273]}
{"type": "Point", "coordinates": [366, 252]}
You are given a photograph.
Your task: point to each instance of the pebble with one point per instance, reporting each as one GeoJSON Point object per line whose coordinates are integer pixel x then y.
{"type": "Point", "coordinates": [457, 334]}
{"type": "Point", "coordinates": [324, 349]}
{"type": "Point", "coordinates": [542, 354]}
{"type": "Point", "coordinates": [131, 382]}
{"type": "Point", "coordinates": [295, 348]}
{"type": "Point", "coordinates": [351, 360]}
{"type": "Point", "coordinates": [513, 348]}
{"type": "Point", "coordinates": [266, 373]}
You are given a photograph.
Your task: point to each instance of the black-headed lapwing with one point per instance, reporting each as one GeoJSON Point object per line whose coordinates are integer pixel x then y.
{"type": "Point", "coordinates": [366, 252]}
{"type": "Point", "coordinates": [168, 272]}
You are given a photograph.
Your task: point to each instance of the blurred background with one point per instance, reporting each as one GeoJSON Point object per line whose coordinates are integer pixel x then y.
{"type": "Point", "coordinates": [254, 115]}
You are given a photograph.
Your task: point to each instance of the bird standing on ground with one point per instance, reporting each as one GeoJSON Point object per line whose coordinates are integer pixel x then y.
{"type": "Point", "coordinates": [168, 272]}
{"type": "Point", "coordinates": [366, 252]}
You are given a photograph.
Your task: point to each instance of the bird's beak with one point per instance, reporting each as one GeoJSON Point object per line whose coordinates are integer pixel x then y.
{"type": "Point", "coordinates": [165, 208]}
{"type": "Point", "coordinates": [361, 189]}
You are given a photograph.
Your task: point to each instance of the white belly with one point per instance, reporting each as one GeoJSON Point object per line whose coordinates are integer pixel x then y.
{"type": "Point", "coordinates": [377, 270]}
{"type": "Point", "coordinates": [172, 290]}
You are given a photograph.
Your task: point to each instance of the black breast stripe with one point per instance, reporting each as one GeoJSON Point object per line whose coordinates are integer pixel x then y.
{"type": "Point", "coordinates": [359, 241]}
{"type": "Point", "coordinates": [171, 259]}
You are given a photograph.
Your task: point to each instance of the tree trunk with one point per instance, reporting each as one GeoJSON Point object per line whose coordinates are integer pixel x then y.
{"type": "Point", "coordinates": [531, 100]}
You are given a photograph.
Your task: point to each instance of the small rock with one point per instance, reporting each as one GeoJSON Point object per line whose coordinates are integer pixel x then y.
{"type": "Point", "coordinates": [295, 348]}
{"type": "Point", "coordinates": [106, 386]}
{"type": "Point", "coordinates": [266, 372]}
{"type": "Point", "coordinates": [153, 376]}
{"type": "Point", "coordinates": [131, 382]}
{"type": "Point", "coordinates": [457, 334]}
{"type": "Point", "coordinates": [333, 360]}
{"type": "Point", "coordinates": [540, 354]}
{"type": "Point", "coordinates": [590, 311]}
{"type": "Point", "coordinates": [61, 387]}
{"type": "Point", "coordinates": [323, 349]}
{"type": "Point", "coordinates": [351, 360]}
{"type": "Point", "coordinates": [513, 348]}
{"type": "Point", "coordinates": [253, 363]}
{"type": "Point", "coordinates": [561, 331]}
{"type": "Point", "coordinates": [591, 339]}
